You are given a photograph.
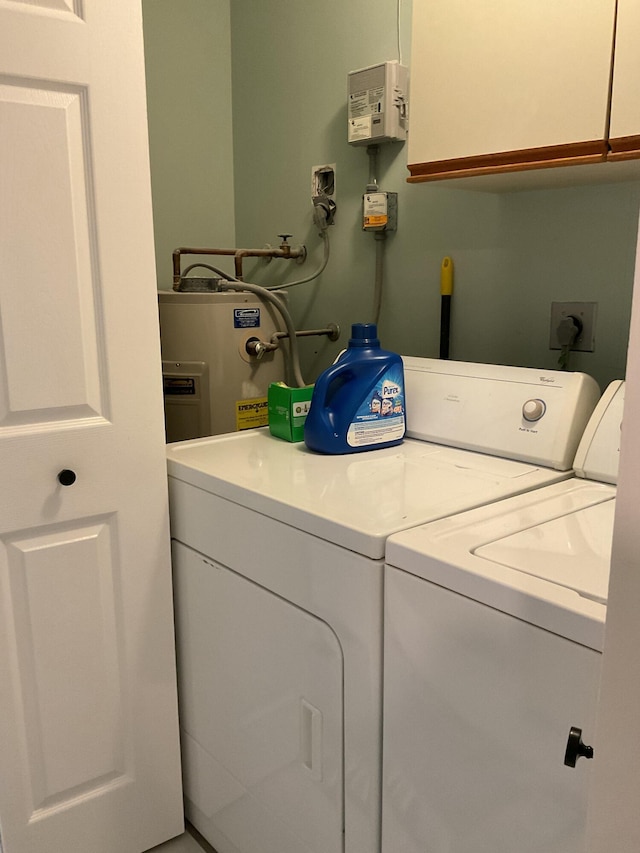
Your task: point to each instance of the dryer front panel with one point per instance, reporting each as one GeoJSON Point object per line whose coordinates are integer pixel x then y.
{"type": "Point", "coordinates": [261, 710]}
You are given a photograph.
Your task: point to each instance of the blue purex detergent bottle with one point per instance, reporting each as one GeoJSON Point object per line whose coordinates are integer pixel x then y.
{"type": "Point", "coordinates": [358, 402]}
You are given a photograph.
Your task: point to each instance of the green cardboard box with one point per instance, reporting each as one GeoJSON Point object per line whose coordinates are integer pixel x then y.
{"type": "Point", "coordinates": [288, 409]}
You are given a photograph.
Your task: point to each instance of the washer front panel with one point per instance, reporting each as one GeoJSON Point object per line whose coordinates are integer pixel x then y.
{"type": "Point", "coordinates": [477, 710]}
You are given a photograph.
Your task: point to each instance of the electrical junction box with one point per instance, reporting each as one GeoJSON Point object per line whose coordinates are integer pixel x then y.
{"type": "Point", "coordinates": [377, 104]}
{"type": "Point", "coordinates": [379, 211]}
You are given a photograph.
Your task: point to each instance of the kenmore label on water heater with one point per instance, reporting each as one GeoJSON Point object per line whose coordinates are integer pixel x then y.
{"type": "Point", "coordinates": [246, 318]}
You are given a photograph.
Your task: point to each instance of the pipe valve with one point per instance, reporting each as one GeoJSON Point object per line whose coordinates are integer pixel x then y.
{"type": "Point", "coordinates": [257, 348]}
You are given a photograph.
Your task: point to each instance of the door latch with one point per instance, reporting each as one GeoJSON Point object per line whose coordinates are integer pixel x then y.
{"type": "Point", "coordinates": [576, 748]}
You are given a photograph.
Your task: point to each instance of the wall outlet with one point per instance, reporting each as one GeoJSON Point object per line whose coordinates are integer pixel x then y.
{"type": "Point", "coordinates": [585, 312]}
{"type": "Point", "coordinates": [323, 181]}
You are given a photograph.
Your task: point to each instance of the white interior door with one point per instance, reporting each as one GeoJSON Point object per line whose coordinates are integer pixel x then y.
{"type": "Point", "coordinates": [88, 721]}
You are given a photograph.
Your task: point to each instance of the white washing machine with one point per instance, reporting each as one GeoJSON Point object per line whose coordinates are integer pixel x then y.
{"type": "Point", "coordinates": [494, 624]}
{"type": "Point", "coordinates": [278, 565]}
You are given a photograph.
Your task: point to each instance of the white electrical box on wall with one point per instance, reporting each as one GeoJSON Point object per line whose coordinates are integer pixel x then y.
{"type": "Point", "coordinates": [379, 211]}
{"type": "Point", "coordinates": [377, 104]}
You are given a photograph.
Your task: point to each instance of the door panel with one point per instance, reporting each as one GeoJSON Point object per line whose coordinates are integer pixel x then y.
{"type": "Point", "coordinates": [52, 372]}
{"type": "Point", "coordinates": [74, 737]}
{"type": "Point", "coordinates": [61, 5]}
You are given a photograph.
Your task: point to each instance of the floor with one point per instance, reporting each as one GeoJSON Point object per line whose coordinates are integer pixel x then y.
{"type": "Point", "coordinates": [190, 842]}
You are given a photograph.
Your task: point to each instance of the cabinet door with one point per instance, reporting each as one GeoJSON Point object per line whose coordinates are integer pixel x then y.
{"type": "Point", "coordinates": [624, 131]}
{"type": "Point", "coordinates": [88, 716]}
{"type": "Point", "coordinates": [507, 83]}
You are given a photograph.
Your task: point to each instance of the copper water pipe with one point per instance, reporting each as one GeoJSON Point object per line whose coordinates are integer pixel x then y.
{"type": "Point", "coordinates": [284, 251]}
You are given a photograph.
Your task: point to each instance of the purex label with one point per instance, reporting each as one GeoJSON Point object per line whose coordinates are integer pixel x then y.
{"type": "Point", "coordinates": [381, 417]}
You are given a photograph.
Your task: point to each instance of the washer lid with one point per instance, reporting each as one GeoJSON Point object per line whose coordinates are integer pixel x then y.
{"type": "Point", "coordinates": [573, 551]}
{"type": "Point", "coordinates": [464, 554]}
{"type": "Point", "coordinates": [598, 453]}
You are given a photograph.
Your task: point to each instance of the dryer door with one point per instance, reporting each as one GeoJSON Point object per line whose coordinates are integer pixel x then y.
{"type": "Point", "coordinates": [478, 706]}
{"type": "Point", "coordinates": [261, 708]}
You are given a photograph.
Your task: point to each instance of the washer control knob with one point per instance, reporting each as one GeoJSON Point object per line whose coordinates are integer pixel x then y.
{"type": "Point", "coordinates": [533, 410]}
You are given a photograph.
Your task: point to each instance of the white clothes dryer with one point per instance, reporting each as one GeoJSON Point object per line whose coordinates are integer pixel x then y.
{"type": "Point", "coordinates": [278, 566]}
{"type": "Point", "coordinates": [494, 624]}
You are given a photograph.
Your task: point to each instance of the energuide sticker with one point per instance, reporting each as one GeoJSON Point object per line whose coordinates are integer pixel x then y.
{"type": "Point", "coordinates": [246, 318]}
{"type": "Point", "coordinates": [252, 413]}
{"type": "Point", "coordinates": [381, 417]}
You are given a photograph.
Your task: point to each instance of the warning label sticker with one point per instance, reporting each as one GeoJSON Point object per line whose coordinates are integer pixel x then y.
{"type": "Point", "coordinates": [252, 413]}
{"type": "Point", "coordinates": [359, 104]}
{"type": "Point", "coordinates": [368, 102]}
{"type": "Point", "coordinates": [359, 128]}
{"type": "Point", "coordinates": [375, 220]}
{"type": "Point", "coordinates": [375, 209]}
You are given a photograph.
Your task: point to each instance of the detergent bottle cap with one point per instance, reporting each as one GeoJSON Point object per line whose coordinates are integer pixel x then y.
{"type": "Point", "coordinates": [364, 335]}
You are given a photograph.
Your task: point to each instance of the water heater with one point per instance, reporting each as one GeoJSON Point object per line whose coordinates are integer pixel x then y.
{"type": "Point", "coordinates": [211, 384]}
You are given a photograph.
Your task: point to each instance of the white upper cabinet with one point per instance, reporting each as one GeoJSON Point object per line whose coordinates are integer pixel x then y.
{"type": "Point", "coordinates": [624, 131]}
{"type": "Point", "coordinates": [509, 84]}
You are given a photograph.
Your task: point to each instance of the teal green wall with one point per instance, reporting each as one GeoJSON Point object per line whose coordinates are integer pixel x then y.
{"type": "Point", "coordinates": [513, 253]}
{"type": "Point", "coordinates": [188, 68]}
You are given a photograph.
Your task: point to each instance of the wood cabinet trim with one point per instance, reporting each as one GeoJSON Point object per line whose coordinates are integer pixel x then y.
{"type": "Point", "coordinates": [511, 161]}
{"type": "Point", "coordinates": [624, 147]}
